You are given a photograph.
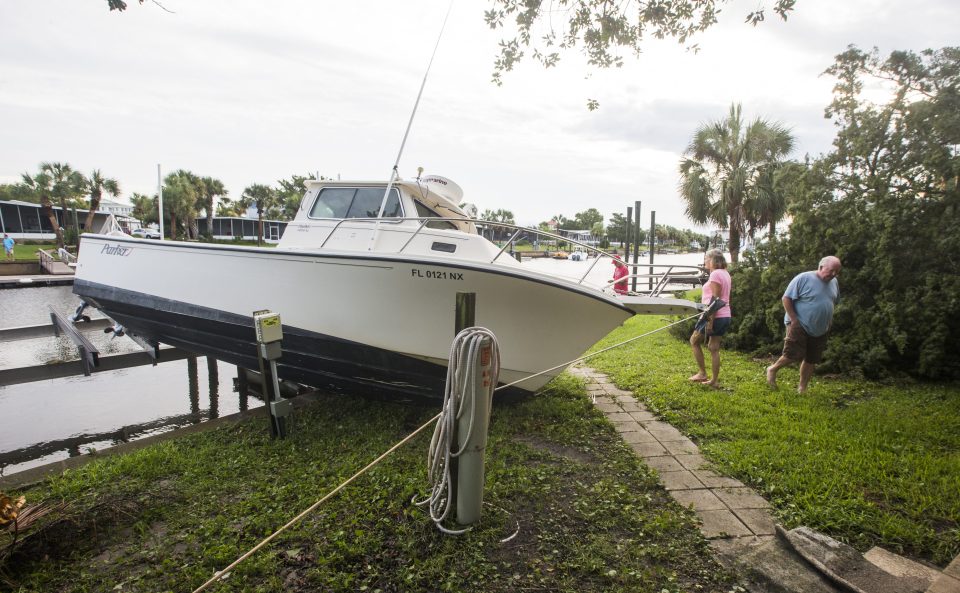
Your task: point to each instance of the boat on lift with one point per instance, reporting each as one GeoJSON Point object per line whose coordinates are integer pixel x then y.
{"type": "Point", "coordinates": [366, 302]}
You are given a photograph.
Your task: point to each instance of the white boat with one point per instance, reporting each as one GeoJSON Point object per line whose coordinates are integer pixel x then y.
{"type": "Point", "coordinates": [364, 302]}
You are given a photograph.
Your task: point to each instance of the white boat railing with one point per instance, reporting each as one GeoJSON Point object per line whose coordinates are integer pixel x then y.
{"type": "Point", "coordinates": [659, 276]}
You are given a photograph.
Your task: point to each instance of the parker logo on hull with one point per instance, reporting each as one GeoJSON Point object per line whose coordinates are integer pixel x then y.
{"type": "Point", "coordinates": [116, 250]}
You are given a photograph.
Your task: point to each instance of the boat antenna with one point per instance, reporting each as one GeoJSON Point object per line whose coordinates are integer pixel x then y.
{"type": "Point", "coordinates": [394, 175]}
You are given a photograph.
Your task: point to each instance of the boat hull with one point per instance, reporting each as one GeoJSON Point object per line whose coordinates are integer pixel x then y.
{"type": "Point", "coordinates": [358, 319]}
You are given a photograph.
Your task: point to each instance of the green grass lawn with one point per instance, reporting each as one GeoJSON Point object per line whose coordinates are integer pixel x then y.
{"type": "Point", "coordinates": [592, 517]}
{"type": "Point", "coordinates": [867, 463]}
{"type": "Point", "coordinates": [29, 252]}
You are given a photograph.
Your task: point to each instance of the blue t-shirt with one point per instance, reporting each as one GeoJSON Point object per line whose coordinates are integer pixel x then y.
{"type": "Point", "coordinates": [8, 244]}
{"type": "Point", "coordinates": [813, 300]}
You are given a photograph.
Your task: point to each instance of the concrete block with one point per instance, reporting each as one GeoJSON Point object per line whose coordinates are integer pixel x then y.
{"type": "Point", "coordinates": [945, 584]}
{"type": "Point", "coordinates": [684, 447]}
{"type": "Point", "coordinates": [608, 408]}
{"type": "Point", "coordinates": [629, 426]}
{"type": "Point", "coordinates": [680, 480]}
{"type": "Point", "coordinates": [633, 407]}
{"type": "Point", "coordinates": [775, 567]}
{"type": "Point", "coordinates": [953, 569]}
{"type": "Point", "coordinates": [700, 500]}
{"type": "Point", "coordinates": [899, 566]}
{"type": "Point", "coordinates": [665, 463]}
{"type": "Point", "coordinates": [759, 521]}
{"type": "Point", "coordinates": [666, 434]}
{"type": "Point", "coordinates": [648, 449]}
{"type": "Point", "coordinates": [620, 417]}
{"type": "Point", "coordinates": [741, 498]}
{"type": "Point", "coordinates": [692, 461]}
{"type": "Point", "coordinates": [721, 523]}
{"type": "Point", "coordinates": [638, 436]}
{"type": "Point", "coordinates": [643, 416]}
{"type": "Point", "coordinates": [712, 479]}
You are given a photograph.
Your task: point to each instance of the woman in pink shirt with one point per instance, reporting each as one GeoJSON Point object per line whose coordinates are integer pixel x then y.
{"type": "Point", "coordinates": [717, 285]}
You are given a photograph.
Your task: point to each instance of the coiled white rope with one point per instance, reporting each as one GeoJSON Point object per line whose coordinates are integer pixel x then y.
{"type": "Point", "coordinates": [459, 398]}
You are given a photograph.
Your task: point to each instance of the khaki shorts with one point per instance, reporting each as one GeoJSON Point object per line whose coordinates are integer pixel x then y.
{"type": "Point", "coordinates": [798, 345]}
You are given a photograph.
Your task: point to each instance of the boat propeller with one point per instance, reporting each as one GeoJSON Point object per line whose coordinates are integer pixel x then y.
{"type": "Point", "coordinates": [117, 330]}
{"type": "Point", "coordinates": [78, 314]}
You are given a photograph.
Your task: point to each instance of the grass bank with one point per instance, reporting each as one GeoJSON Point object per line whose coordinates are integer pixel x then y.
{"type": "Point", "coordinates": [591, 515]}
{"type": "Point", "coordinates": [867, 463]}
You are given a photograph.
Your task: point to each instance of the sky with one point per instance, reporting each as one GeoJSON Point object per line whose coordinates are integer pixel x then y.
{"type": "Point", "coordinates": [251, 92]}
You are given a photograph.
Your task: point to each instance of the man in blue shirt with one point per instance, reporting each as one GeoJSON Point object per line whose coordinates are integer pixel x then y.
{"type": "Point", "coordinates": [808, 302]}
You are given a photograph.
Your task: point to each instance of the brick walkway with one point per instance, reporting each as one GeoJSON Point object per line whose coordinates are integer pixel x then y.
{"type": "Point", "coordinates": [726, 508]}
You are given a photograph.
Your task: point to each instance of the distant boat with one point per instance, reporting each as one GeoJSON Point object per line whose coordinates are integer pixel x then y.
{"type": "Point", "coordinates": [578, 255]}
{"type": "Point", "coordinates": [365, 303]}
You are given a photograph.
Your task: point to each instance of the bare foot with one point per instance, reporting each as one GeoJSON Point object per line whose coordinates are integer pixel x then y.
{"type": "Point", "coordinates": [801, 390]}
{"type": "Point", "coordinates": [772, 377]}
{"type": "Point", "coordinates": [712, 384]}
{"type": "Point", "coordinates": [699, 378]}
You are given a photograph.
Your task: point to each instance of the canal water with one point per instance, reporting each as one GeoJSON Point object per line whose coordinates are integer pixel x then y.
{"type": "Point", "coordinates": [51, 420]}
{"type": "Point", "coordinates": [54, 419]}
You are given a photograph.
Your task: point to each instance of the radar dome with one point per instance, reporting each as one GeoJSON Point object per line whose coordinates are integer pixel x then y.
{"type": "Point", "coordinates": [443, 187]}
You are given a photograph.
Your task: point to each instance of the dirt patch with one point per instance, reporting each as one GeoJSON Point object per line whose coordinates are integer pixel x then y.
{"type": "Point", "coordinates": [557, 450]}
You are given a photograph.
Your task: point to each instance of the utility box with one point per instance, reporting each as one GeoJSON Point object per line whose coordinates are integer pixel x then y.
{"type": "Point", "coordinates": [268, 327]}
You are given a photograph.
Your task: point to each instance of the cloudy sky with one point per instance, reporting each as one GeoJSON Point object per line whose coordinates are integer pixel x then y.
{"type": "Point", "coordinates": [252, 91]}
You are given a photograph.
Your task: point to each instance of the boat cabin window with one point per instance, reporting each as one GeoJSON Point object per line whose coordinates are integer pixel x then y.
{"type": "Point", "coordinates": [424, 212]}
{"type": "Point", "coordinates": [353, 202]}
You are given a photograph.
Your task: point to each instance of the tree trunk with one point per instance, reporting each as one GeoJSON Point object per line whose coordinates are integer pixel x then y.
{"type": "Point", "coordinates": [210, 217]}
{"type": "Point", "coordinates": [47, 206]}
{"type": "Point", "coordinates": [734, 246]}
{"type": "Point", "coordinates": [259, 227]}
{"type": "Point", "coordinates": [173, 226]}
{"type": "Point", "coordinates": [94, 204]}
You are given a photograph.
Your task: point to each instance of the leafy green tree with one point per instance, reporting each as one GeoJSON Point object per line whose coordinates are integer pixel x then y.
{"type": "Point", "coordinates": [144, 208]}
{"type": "Point", "coordinates": [886, 201]}
{"type": "Point", "coordinates": [617, 228]}
{"type": "Point", "coordinates": [600, 29]}
{"type": "Point", "coordinates": [263, 197]}
{"type": "Point", "coordinates": [586, 219]}
{"type": "Point", "coordinates": [180, 195]}
{"type": "Point", "coordinates": [723, 180]}
{"type": "Point", "coordinates": [290, 193]}
{"type": "Point", "coordinates": [97, 184]}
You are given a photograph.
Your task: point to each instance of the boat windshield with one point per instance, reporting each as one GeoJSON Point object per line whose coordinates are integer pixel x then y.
{"type": "Point", "coordinates": [424, 212]}
{"type": "Point", "coordinates": [355, 202]}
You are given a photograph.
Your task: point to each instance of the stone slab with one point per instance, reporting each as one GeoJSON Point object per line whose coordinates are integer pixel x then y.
{"type": "Point", "coordinates": [712, 479]}
{"type": "Point", "coordinates": [774, 566]}
{"type": "Point", "coordinates": [692, 461]}
{"type": "Point", "coordinates": [700, 500]}
{"type": "Point", "coordinates": [945, 584]}
{"type": "Point", "coordinates": [665, 463]}
{"type": "Point", "coordinates": [648, 449]}
{"type": "Point", "coordinates": [620, 417]}
{"type": "Point", "coordinates": [626, 398]}
{"type": "Point", "coordinates": [643, 416]}
{"type": "Point", "coordinates": [680, 480]}
{"type": "Point", "coordinates": [624, 427]}
{"type": "Point", "coordinates": [759, 521]}
{"type": "Point", "coordinates": [741, 498]}
{"type": "Point", "coordinates": [684, 447]}
{"type": "Point", "coordinates": [608, 408]}
{"type": "Point", "coordinates": [638, 436]}
{"type": "Point", "coordinates": [666, 434]}
{"type": "Point", "coordinates": [899, 566]}
{"type": "Point", "coordinates": [953, 569]}
{"type": "Point", "coordinates": [633, 407]}
{"type": "Point", "coordinates": [721, 523]}
{"type": "Point", "coordinates": [602, 399]}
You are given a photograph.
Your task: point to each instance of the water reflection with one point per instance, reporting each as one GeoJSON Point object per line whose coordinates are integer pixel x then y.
{"type": "Point", "coordinates": [58, 418]}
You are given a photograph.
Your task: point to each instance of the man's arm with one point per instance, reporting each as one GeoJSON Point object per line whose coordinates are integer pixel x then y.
{"type": "Point", "coordinates": [788, 307]}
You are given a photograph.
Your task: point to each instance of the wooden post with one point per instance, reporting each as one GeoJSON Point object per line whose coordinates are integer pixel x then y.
{"type": "Point", "coordinates": [653, 237]}
{"type": "Point", "coordinates": [636, 244]}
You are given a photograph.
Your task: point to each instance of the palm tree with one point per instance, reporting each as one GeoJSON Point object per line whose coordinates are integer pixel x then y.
{"type": "Point", "coordinates": [66, 184]}
{"type": "Point", "coordinates": [212, 189]}
{"type": "Point", "coordinates": [97, 184]}
{"type": "Point", "coordinates": [41, 185]}
{"type": "Point", "coordinates": [261, 196]}
{"type": "Point", "coordinates": [180, 198]}
{"type": "Point", "coordinates": [725, 178]}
